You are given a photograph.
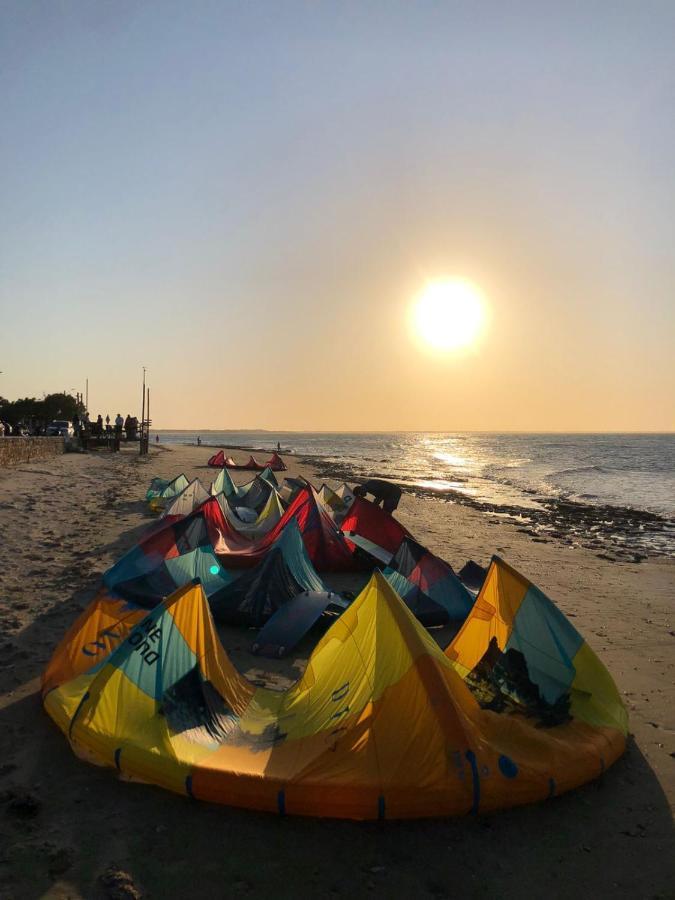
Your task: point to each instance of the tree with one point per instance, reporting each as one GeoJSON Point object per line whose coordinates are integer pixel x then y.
{"type": "Point", "coordinates": [31, 411]}
{"type": "Point", "coordinates": [60, 406]}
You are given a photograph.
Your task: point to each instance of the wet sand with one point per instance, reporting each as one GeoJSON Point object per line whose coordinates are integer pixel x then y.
{"type": "Point", "coordinates": [64, 823]}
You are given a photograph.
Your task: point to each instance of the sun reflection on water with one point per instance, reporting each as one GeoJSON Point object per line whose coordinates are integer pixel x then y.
{"type": "Point", "coordinates": [452, 460]}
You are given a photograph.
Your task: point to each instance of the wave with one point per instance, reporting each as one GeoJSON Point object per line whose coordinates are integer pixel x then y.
{"type": "Point", "coordinates": [516, 463]}
{"type": "Point", "coordinates": [578, 470]}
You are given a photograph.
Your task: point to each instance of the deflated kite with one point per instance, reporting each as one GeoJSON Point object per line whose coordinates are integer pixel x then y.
{"type": "Point", "coordinates": [382, 724]}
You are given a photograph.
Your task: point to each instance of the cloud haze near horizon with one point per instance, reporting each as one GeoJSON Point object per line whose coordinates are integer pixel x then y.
{"type": "Point", "coordinates": [245, 198]}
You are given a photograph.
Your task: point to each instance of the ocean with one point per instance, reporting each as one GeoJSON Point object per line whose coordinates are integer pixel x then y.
{"type": "Point", "coordinates": [634, 471]}
{"type": "Point", "coordinates": [628, 471]}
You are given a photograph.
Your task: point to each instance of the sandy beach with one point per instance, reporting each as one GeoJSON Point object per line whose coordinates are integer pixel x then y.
{"type": "Point", "coordinates": [64, 823]}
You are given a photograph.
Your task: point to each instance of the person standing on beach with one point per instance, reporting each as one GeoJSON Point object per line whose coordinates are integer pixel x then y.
{"type": "Point", "coordinates": [384, 493]}
{"type": "Point", "coordinates": [119, 423]}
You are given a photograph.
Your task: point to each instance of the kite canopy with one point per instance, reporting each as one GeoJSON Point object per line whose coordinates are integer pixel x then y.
{"type": "Point", "coordinates": [290, 487]}
{"type": "Point", "coordinates": [345, 493]}
{"type": "Point", "coordinates": [171, 540]}
{"type": "Point", "coordinates": [335, 505]}
{"type": "Point", "coordinates": [223, 484]}
{"type": "Point", "coordinates": [254, 494]}
{"type": "Point", "coordinates": [157, 485]}
{"type": "Point", "coordinates": [518, 651]}
{"type": "Point", "coordinates": [192, 497]}
{"type": "Point", "coordinates": [428, 585]}
{"type": "Point", "coordinates": [379, 532]}
{"type": "Point", "coordinates": [275, 463]}
{"type": "Point", "coordinates": [160, 492]}
{"type": "Point", "coordinates": [208, 526]}
{"type": "Point", "coordinates": [268, 474]}
{"type": "Point", "coordinates": [259, 524]}
{"type": "Point", "coordinates": [284, 572]}
{"type": "Point", "coordinates": [380, 725]}
{"type": "Point", "coordinates": [326, 546]}
{"type": "Point", "coordinates": [218, 460]}
{"type": "Point", "coordinates": [150, 588]}
{"type": "Point", "coordinates": [103, 625]}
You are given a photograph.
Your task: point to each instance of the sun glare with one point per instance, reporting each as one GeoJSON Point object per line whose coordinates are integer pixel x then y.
{"type": "Point", "coordinates": [449, 314]}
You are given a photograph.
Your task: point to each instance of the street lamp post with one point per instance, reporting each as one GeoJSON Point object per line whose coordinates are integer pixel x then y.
{"type": "Point", "coordinates": [143, 448]}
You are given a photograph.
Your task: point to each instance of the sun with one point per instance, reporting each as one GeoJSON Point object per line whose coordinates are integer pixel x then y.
{"type": "Point", "coordinates": [449, 315]}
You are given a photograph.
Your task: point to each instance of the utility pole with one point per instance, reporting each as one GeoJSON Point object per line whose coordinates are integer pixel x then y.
{"type": "Point", "coordinates": [86, 402]}
{"type": "Point", "coordinates": [143, 399]}
{"type": "Point", "coordinates": [143, 448]}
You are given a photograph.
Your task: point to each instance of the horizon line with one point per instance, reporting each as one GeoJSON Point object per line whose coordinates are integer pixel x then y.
{"type": "Point", "coordinates": [409, 431]}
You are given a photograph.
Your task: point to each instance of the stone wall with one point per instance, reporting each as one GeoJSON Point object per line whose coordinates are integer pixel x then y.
{"type": "Point", "coordinates": [25, 449]}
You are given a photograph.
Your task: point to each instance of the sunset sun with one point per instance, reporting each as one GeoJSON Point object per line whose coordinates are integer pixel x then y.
{"type": "Point", "coordinates": [448, 315]}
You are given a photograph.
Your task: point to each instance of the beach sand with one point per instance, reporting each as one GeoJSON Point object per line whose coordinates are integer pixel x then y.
{"type": "Point", "coordinates": [64, 823]}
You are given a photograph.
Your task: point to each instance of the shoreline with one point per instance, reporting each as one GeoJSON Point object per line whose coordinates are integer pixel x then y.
{"type": "Point", "coordinates": [65, 521]}
{"type": "Point", "coordinates": [623, 536]}
{"type": "Point", "coordinates": [615, 533]}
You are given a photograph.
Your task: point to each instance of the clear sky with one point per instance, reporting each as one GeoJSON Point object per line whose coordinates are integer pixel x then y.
{"type": "Point", "coordinates": [245, 197]}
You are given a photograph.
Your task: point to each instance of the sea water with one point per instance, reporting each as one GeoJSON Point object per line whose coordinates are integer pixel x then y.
{"type": "Point", "coordinates": [634, 471]}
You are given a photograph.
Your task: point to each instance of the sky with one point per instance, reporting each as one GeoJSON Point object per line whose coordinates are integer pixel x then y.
{"type": "Point", "coordinates": [247, 197]}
